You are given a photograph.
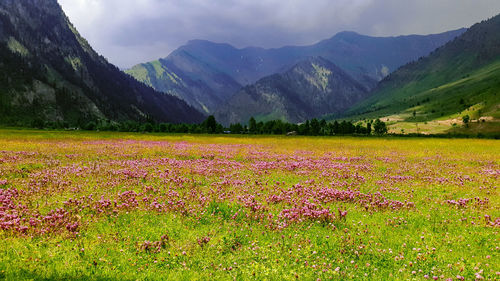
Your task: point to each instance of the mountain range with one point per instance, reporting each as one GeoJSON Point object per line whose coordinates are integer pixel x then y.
{"type": "Point", "coordinates": [48, 72]}
{"type": "Point", "coordinates": [207, 74]}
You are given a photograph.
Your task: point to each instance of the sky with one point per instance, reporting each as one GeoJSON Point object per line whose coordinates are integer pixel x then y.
{"type": "Point", "coordinates": [128, 32]}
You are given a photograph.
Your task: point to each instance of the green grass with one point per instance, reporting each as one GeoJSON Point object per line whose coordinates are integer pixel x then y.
{"type": "Point", "coordinates": [434, 238]}
{"type": "Point", "coordinates": [476, 95]}
{"type": "Point", "coordinates": [140, 73]}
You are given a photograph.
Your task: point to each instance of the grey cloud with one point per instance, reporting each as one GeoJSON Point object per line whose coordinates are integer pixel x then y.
{"type": "Point", "coordinates": [130, 31]}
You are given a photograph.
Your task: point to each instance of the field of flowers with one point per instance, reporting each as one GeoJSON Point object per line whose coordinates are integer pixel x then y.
{"type": "Point", "coordinates": [106, 206]}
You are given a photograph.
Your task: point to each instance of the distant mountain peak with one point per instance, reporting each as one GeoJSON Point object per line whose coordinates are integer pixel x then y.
{"type": "Point", "coordinates": [347, 34]}
{"type": "Point", "coordinates": [201, 43]}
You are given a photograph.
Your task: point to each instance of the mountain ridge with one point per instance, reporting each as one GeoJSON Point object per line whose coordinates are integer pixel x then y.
{"type": "Point", "coordinates": [244, 66]}
{"type": "Point", "coordinates": [459, 78]}
{"type": "Point", "coordinates": [311, 88]}
{"type": "Point", "coordinates": [69, 82]}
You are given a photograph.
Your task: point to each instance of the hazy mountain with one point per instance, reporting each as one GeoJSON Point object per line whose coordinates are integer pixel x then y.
{"type": "Point", "coordinates": [212, 71]}
{"type": "Point", "coordinates": [311, 88]}
{"type": "Point", "coordinates": [199, 84]}
{"type": "Point", "coordinates": [461, 77]}
{"type": "Point", "coordinates": [49, 72]}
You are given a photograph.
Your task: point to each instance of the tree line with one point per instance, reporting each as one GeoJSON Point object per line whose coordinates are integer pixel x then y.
{"type": "Point", "coordinates": [313, 127]}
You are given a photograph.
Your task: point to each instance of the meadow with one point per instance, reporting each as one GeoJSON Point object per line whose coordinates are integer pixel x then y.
{"type": "Point", "coordinates": [123, 206]}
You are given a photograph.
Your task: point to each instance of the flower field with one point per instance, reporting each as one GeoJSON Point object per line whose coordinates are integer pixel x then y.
{"type": "Point", "coordinates": [107, 206]}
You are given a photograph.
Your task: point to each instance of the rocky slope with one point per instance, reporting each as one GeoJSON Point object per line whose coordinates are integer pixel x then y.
{"type": "Point", "coordinates": [311, 88]}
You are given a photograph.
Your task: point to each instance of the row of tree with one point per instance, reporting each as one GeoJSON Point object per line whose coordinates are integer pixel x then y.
{"type": "Point", "coordinates": [312, 127]}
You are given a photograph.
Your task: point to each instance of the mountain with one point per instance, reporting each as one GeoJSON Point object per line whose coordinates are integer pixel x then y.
{"type": "Point", "coordinates": [203, 73]}
{"type": "Point", "coordinates": [199, 84]}
{"type": "Point", "coordinates": [459, 78]}
{"type": "Point", "coordinates": [48, 72]}
{"type": "Point", "coordinates": [311, 88]}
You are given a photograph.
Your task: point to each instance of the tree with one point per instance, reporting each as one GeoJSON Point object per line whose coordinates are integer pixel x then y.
{"type": "Point", "coordinates": [360, 129]}
{"type": "Point", "coordinates": [315, 127]}
{"type": "Point", "coordinates": [304, 128]}
{"type": "Point", "coordinates": [219, 129]}
{"type": "Point", "coordinates": [323, 127]}
{"type": "Point", "coordinates": [466, 119]}
{"type": "Point", "coordinates": [347, 128]}
{"type": "Point", "coordinates": [379, 127]}
{"type": "Point", "coordinates": [236, 128]}
{"type": "Point", "coordinates": [368, 128]}
{"type": "Point", "coordinates": [148, 127]}
{"type": "Point", "coordinates": [279, 127]}
{"type": "Point", "coordinates": [37, 123]}
{"type": "Point", "coordinates": [336, 127]}
{"type": "Point", "coordinates": [260, 128]}
{"type": "Point", "coordinates": [210, 124]}
{"type": "Point", "coordinates": [163, 128]}
{"type": "Point", "coordinates": [252, 126]}
{"type": "Point", "coordinates": [90, 126]}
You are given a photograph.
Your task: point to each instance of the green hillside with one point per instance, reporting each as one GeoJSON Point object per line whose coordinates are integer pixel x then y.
{"type": "Point", "coordinates": [458, 79]}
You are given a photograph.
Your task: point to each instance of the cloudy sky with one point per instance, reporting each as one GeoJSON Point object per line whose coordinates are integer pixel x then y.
{"type": "Point", "coordinates": [128, 32]}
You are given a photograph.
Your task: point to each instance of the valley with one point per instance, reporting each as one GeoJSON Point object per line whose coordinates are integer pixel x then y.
{"type": "Point", "coordinates": [353, 158]}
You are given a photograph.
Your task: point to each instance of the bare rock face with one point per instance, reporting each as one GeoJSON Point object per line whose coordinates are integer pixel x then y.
{"type": "Point", "coordinates": [49, 72]}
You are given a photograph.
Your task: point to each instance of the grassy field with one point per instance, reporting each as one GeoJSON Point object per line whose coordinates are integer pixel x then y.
{"type": "Point", "coordinates": [120, 206]}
